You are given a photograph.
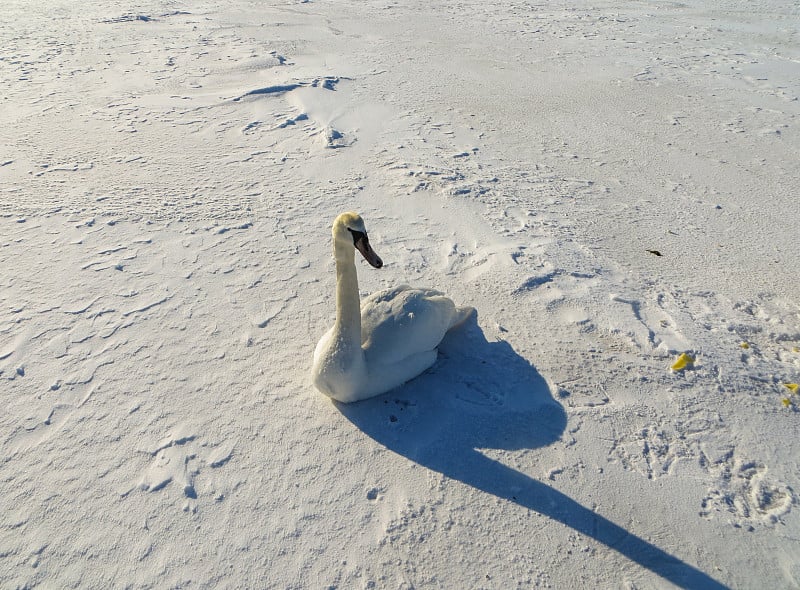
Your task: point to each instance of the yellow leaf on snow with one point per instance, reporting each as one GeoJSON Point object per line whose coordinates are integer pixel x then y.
{"type": "Point", "coordinates": [744, 345]}
{"type": "Point", "coordinates": [786, 402]}
{"type": "Point", "coordinates": [791, 387]}
{"type": "Point", "coordinates": [683, 361]}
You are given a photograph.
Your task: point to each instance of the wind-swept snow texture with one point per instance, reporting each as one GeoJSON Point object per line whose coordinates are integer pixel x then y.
{"type": "Point", "coordinates": [610, 184]}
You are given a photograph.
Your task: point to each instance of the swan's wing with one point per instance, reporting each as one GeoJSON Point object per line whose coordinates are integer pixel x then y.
{"type": "Point", "coordinates": [400, 322]}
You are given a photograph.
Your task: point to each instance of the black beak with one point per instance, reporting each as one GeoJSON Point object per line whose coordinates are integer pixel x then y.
{"type": "Point", "coordinates": [361, 242]}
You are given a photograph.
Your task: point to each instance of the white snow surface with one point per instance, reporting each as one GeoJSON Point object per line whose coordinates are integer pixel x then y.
{"type": "Point", "coordinates": [168, 175]}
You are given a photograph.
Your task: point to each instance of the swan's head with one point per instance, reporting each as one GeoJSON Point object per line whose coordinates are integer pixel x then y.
{"type": "Point", "coordinates": [349, 229]}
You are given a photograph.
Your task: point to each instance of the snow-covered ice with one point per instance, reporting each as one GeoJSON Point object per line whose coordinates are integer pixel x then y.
{"type": "Point", "coordinates": [610, 185]}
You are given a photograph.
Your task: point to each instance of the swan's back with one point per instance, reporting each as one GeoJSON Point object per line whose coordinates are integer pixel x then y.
{"type": "Point", "coordinates": [403, 321]}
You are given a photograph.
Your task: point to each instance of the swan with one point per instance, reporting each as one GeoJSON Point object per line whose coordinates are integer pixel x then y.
{"type": "Point", "coordinates": [385, 341]}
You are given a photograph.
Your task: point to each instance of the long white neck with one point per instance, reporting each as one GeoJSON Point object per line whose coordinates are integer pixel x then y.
{"type": "Point", "coordinates": [348, 306]}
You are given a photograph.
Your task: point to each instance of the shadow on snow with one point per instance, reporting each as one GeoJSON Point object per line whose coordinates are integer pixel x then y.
{"type": "Point", "coordinates": [483, 395]}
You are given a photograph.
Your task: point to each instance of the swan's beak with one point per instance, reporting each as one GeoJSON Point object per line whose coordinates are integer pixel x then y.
{"type": "Point", "coordinates": [362, 245]}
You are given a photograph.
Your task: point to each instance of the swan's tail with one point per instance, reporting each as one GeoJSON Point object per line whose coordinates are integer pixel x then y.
{"type": "Point", "coordinates": [462, 315]}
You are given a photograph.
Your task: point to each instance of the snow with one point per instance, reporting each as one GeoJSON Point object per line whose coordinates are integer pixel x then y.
{"type": "Point", "coordinates": [168, 176]}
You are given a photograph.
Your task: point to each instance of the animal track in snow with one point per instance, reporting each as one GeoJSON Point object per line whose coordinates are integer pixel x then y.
{"type": "Point", "coordinates": [658, 447]}
{"type": "Point", "coordinates": [519, 216]}
{"type": "Point", "coordinates": [746, 492]}
{"type": "Point", "coordinates": [652, 451]}
{"type": "Point", "coordinates": [563, 293]}
{"type": "Point", "coordinates": [176, 459]}
{"type": "Point", "coordinates": [476, 393]}
{"type": "Point", "coordinates": [772, 321]}
{"type": "Point", "coordinates": [171, 464]}
{"type": "Point", "coordinates": [401, 520]}
{"type": "Point", "coordinates": [582, 393]}
{"type": "Point", "coordinates": [472, 262]}
{"type": "Point", "coordinates": [649, 326]}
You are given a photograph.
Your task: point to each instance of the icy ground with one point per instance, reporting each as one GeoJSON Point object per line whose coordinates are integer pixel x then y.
{"type": "Point", "coordinates": [609, 184]}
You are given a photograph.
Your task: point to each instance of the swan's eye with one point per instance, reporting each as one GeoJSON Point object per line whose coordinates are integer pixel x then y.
{"type": "Point", "coordinates": [357, 235]}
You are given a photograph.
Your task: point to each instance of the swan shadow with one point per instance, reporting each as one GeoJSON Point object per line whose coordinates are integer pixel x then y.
{"type": "Point", "coordinates": [483, 395]}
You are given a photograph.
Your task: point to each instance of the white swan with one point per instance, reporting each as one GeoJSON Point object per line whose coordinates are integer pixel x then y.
{"type": "Point", "coordinates": [387, 340]}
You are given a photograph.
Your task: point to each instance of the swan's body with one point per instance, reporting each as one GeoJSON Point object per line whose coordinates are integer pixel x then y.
{"type": "Point", "coordinates": [383, 342]}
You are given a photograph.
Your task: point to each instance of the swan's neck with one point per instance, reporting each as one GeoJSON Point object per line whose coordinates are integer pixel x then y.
{"type": "Point", "coordinates": [348, 306]}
